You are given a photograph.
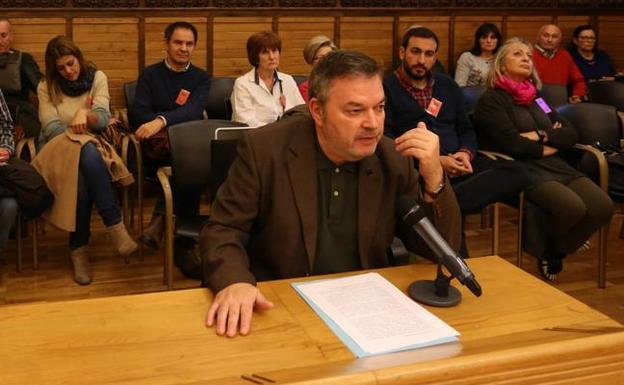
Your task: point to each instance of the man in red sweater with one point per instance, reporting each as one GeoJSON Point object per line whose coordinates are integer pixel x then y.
{"type": "Point", "coordinates": [555, 65]}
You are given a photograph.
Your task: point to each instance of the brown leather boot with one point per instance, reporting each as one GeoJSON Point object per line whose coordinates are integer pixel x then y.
{"type": "Point", "coordinates": [123, 243]}
{"type": "Point", "coordinates": [153, 233]}
{"type": "Point", "coordinates": [82, 268]}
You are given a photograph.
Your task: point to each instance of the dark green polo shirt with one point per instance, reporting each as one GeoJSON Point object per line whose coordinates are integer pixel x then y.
{"type": "Point", "coordinates": [337, 240]}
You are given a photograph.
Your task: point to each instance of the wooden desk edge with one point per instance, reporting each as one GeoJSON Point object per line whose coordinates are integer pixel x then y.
{"type": "Point", "coordinates": [599, 358]}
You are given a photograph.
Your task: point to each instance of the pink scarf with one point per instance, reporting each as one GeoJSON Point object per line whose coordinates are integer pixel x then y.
{"type": "Point", "coordinates": [523, 93]}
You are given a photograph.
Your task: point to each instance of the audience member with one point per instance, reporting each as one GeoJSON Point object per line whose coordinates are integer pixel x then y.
{"type": "Point", "coordinates": [473, 66]}
{"type": "Point", "coordinates": [593, 63]}
{"type": "Point", "coordinates": [169, 92]}
{"type": "Point", "coordinates": [555, 65]}
{"type": "Point", "coordinates": [416, 94]}
{"type": "Point", "coordinates": [315, 193]}
{"type": "Point", "coordinates": [78, 168]}
{"type": "Point", "coordinates": [511, 119]}
{"type": "Point", "coordinates": [19, 75]}
{"type": "Point", "coordinates": [262, 95]}
{"type": "Point", "coordinates": [314, 50]}
{"type": "Point", "coordinates": [8, 204]}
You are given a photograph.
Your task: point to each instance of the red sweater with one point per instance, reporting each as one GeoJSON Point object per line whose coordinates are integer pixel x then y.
{"type": "Point", "coordinates": [560, 70]}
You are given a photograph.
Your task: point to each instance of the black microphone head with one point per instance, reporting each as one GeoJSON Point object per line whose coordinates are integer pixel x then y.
{"type": "Point", "coordinates": [405, 204]}
{"type": "Point", "coordinates": [474, 286]}
{"type": "Point", "coordinates": [408, 210]}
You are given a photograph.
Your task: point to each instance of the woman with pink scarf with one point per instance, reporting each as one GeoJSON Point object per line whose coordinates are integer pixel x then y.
{"type": "Point", "coordinates": [512, 118]}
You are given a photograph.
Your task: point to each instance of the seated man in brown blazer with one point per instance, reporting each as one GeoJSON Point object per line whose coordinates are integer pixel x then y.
{"type": "Point", "coordinates": [315, 193]}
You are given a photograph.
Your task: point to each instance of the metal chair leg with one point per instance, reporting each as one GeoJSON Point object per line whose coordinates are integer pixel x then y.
{"type": "Point", "coordinates": [35, 244]}
{"type": "Point", "coordinates": [18, 235]}
{"type": "Point", "coordinates": [603, 236]}
{"type": "Point", "coordinates": [495, 228]}
{"type": "Point", "coordinates": [485, 217]}
{"type": "Point", "coordinates": [163, 176]}
{"type": "Point", "coordinates": [520, 216]}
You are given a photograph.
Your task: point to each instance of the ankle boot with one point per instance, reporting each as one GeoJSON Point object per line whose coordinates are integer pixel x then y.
{"type": "Point", "coordinates": [82, 268]}
{"type": "Point", "coordinates": [122, 241]}
{"type": "Point", "coordinates": [153, 233]}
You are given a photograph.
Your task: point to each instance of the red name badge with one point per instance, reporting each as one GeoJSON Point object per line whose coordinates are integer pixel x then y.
{"type": "Point", "coordinates": [182, 97]}
{"type": "Point", "coordinates": [434, 107]}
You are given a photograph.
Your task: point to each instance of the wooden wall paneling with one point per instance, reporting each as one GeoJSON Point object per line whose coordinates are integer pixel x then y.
{"type": "Point", "coordinates": [155, 40]}
{"type": "Point", "coordinates": [112, 44]}
{"type": "Point", "coordinates": [526, 26]}
{"type": "Point", "coordinates": [395, 41]}
{"type": "Point", "coordinates": [567, 25]}
{"type": "Point", "coordinates": [33, 34]}
{"type": "Point", "coordinates": [371, 35]}
{"type": "Point", "coordinates": [230, 36]}
{"type": "Point", "coordinates": [465, 27]}
{"type": "Point", "coordinates": [611, 38]}
{"type": "Point", "coordinates": [208, 44]}
{"type": "Point", "coordinates": [141, 53]}
{"type": "Point", "coordinates": [438, 24]}
{"type": "Point", "coordinates": [295, 33]}
{"type": "Point", "coordinates": [69, 27]}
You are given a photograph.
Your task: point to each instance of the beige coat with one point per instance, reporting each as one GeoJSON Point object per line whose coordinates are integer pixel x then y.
{"type": "Point", "coordinates": [58, 161]}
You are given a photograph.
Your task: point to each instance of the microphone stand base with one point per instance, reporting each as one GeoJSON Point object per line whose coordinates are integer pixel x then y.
{"type": "Point", "coordinates": [425, 292]}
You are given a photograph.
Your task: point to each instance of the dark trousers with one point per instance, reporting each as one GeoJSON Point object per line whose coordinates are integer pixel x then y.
{"type": "Point", "coordinates": [94, 187]}
{"type": "Point", "coordinates": [491, 181]}
{"type": "Point", "coordinates": [572, 212]}
{"type": "Point", "coordinates": [8, 213]}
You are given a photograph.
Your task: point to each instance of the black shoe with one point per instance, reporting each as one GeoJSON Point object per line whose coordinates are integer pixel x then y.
{"type": "Point", "coordinates": [189, 263]}
{"type": "Point", "coordinates": [149, 241]}
{"type": "Point", "coordinates": [153, 233]}
{"type": "Point", "coordinates": [550, 269]}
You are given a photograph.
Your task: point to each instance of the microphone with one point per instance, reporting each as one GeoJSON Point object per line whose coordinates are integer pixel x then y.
{"type": "Point", "coordinates": [410, 212]}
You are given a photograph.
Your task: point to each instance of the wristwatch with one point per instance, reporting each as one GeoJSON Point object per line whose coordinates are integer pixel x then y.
{"type": "Point", "coordinates": [436, 191]}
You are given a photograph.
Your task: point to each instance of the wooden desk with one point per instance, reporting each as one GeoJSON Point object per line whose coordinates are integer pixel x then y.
{"type": "Point", "coordinates": [521, 331]}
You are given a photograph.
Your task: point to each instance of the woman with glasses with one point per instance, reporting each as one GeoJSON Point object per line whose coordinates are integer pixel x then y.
{"type": "Point", "coordinates": [262, 95]}
{"type": "Point", "coordinates": [594, 63]}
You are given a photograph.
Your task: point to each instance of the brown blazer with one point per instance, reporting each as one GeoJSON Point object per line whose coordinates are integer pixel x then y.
{"type": "Point", "coordinates": [263, 221]}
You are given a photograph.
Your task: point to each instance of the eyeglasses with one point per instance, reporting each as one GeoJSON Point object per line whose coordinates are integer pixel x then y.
{"type": "Point", "coordinates": [587, 37]}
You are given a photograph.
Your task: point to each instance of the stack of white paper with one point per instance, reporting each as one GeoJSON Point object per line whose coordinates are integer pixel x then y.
{"type": "Point", "coordinates": [371, 316]}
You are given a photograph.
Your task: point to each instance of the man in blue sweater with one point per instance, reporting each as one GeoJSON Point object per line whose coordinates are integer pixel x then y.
{"type": "Point", "coordinates": [169, 92]}
{"type": "Point", "coordinates": [416, 94]}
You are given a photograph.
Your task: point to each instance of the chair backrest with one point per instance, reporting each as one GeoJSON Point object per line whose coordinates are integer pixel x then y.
{"type": "Point", "coordinates": [230, 133]}
{"type": "Point", "coordinates": [129, 93]}
{"type": "Point", "coordinates": [593, 122]}
{"type": "Point", "coordinates": [189, 144]}
{"type": "Point", "coordinates": [300, 78]}
{"type": "Point", "coordinates": [607, 92]}
{"type": "Point", "coordinates": [219, 98]}
{"type": "Point", "coordinates": [223, 153]}
{"type": "Point", "coordinates": [555, 94]}
{"type": "Point", "coordinates": [472, 95]}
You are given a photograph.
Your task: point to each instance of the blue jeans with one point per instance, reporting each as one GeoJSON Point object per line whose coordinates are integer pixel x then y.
{"type": "Point", "coordinates": [94, 187]}
{"type": "Point", "coordinates": [8, 212]}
